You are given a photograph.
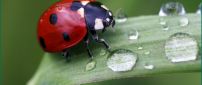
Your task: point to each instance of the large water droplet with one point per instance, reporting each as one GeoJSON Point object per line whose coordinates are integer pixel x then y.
{"type": "Point", "coordinates": [120, 16]}
{"type": "Point", "coordinates": [184, 21]}
{"type": "Point", "coordinates": [133, 35]}
{"type": "Point", "coordinates": [199, 9]}
{"type": "Point", "coordinates": [90, 66]}
{"type": "Point", "coordinates": [172, 8]}
{"type": "Point", "coordinates": [148, 66]}
{"type": "Point", "coordinates": [181, 47]}
{"type": "Point", "coordinates": [122, 60]}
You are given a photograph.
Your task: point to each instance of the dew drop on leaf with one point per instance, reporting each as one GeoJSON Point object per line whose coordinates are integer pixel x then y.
{"type": "Point", "coordinates": [90, 66]}
{"type": "Point", "coordinates": [164, 24]}
{"type": "Point", "coordinates": [147, 52]}
{"type": "Point", "coordinates": [172, 8]}
{"type": "Point", "coordinates": [122, 60]}
{"type": "Point", "coordinates": [140, 48]}
{"type": "Point", "coordinates": [181, 47]}
{"type": "Point", "coordinates": [133, 35]}
{"type": "Point", "coordinates": [120, 16]}
{"type": "Point", "coordinates": [103, 52]}
{"type": "Point", "coordinates": [148, 66]}
{"type": "Point", "coordinates": [184, 21]}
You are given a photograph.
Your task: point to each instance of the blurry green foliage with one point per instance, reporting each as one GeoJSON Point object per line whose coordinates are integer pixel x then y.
{"type": "Point", "coordinates": [22, 53]}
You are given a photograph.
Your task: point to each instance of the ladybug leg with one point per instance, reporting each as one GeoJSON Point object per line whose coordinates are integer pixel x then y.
{"type": "Point", "coordinates": [66, 55]}
{"type": "Point", "coordinates": [99, 40]}
{"type": "Point", "coordinates": [86, 42]}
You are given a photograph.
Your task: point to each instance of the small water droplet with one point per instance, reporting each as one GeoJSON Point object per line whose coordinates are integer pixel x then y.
{"type": "Point", "coordinates": [162, 21]}
{"type": "Point", "coordinates": [181, 47]}
{"type": "Point", "coordinates": [120, 16]}
{"type": "Point", "coordinates": [90, 66]}
{"type": "Point", "coordinates": [172, 8]}
{"type": "Point", "coordinates": [147, 52]}
{"type": "Point", "coordinates": [148, 66]}
{"type": "Point", "coordinates": [164, 24]}
{"type": "Point", "coordinates": [199, 9]}
{"type": "Point", "coordinates": [102, 52]}
{"type": "Point", "coordinates": [184, 21]}
{"type": "Point", "coordinates": [140, 48]}
{"type": "Point", "coordinates": [133, 35]}
{"type": "Point", "coordinates": [122, 60]}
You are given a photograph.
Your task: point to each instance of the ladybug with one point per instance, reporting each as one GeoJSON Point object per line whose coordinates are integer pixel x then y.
{"type": "Point", "coordinates": [68, 22]}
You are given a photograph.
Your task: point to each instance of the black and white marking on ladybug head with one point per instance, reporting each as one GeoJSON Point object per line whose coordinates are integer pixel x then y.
{"type": "Point", "coordinates": [81, 11]}
{"type": "Point", "coordinates": [98, 24]}
{"type": "Point", "coordinates": [110, 14]}
{"type": "Point", "coordinates": [108, 20]}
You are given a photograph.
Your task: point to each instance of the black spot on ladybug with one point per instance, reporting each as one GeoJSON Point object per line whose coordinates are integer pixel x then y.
{"type": "Point", "coordinates": [66, 36]}
{"type": "Point", "coordinates": [53, 19]}
{"type": "Point", "coordinates": [42, 42]}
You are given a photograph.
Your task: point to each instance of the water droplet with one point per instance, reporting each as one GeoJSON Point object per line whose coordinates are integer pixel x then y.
{"type": "Point", "coordinates": [102, 52]}
{"type": "Point", "coordinates": [90, 66]}
{"type": "Point", "coordinates": [184, 21]}
{"type": "Point", "coordinates": [148, 66]}
{"type": "Point", "coordinates": [163, 23]}
{"type": "Point", "coordinates": [181, 47]}
{"type": "Point", "coordinates": [140, 48]}
{"type": "Point", "coordinates": [122, 60]}
{"type": "Point", "coordinates": [120, 16]}
{"type": "Point", "coordinates": [199, 9]}
{"type": "Point", "coordinates": [133, 35]}
{"type": "Point", "coordinates": [172, 8]}
{"type": "Point", "coordinates": [147, 52]}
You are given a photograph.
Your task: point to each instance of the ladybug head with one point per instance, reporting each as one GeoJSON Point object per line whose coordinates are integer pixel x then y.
{"type": "Point", "coordinates": [97, 15]}
{"type": "Point", "coordinates": [108, 21]}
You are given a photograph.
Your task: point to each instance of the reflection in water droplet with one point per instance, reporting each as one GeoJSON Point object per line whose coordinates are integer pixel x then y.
{"type": "Point", "coordinates": [199, 9]}
{"type": "Point", "coordinates": [133, 35]}
{"type": "Point", "coordinates": [163, 23]}
{"type": "Point", "coordinates": [122, 60]}
{"type": "Point", "coordinates": [184, 21]}
{"type": "Point", "coordinates": [172, 8]}
{"type": "Point", "coordinates": [181, 47]}
{"type": "Point", "coordinates": [120, 16]}
{"type": "Point", "coordinates": [90, 66]}
{"type": "Point", "coordinates": [148, 66]}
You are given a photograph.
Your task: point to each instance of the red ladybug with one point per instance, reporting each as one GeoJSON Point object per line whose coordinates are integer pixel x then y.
{"type": "Point", "coordinates": [68, 22]}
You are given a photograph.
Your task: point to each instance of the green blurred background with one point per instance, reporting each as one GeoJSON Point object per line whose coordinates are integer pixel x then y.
{"type": "Point", "coordinates": [22, 53]}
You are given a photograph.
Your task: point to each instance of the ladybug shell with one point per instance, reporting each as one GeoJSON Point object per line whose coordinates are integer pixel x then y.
{"type": "Point", "coordinates": [60, 28]}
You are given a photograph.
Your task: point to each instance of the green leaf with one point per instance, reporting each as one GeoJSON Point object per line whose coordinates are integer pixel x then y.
{"type": "Point", "coordinates": [54, 70]}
